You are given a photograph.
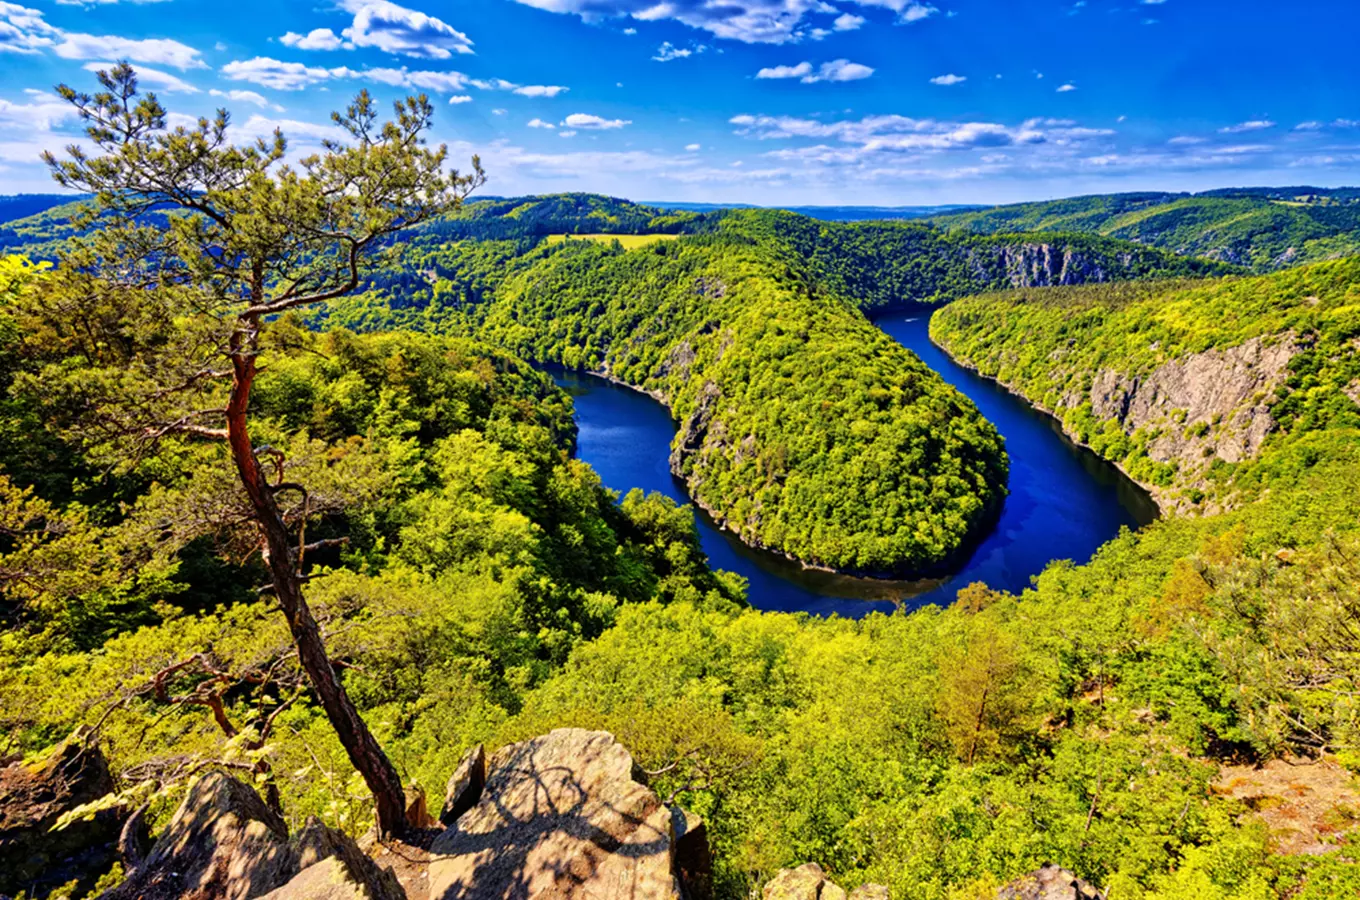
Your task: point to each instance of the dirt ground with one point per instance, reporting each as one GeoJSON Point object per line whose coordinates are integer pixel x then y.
{"type": "Point", "coordinates": [1307, 806]}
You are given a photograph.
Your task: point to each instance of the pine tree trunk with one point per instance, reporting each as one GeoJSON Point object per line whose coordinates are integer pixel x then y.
{"type": "Point", "coordinates": [363, 749]}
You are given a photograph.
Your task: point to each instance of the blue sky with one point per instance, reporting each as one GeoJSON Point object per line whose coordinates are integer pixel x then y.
{"type": "Point", "coordinates": [878, 102]}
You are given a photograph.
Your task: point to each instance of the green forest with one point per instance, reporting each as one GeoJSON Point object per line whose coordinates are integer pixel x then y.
{"type": "Point", "coordinates": [1261, 229]}
{"type": "Point", "coordinates": [180, 395]}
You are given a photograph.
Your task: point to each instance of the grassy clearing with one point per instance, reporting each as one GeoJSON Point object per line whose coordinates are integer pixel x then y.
{"type": "Point", "coordinates": [629, 241]}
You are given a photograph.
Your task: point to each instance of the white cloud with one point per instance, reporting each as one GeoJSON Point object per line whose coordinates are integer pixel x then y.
{"type": "Point", "coordinates": [949, 79]}
{"type": "Point", "coordinates": [1253, 125]}
{"type": "Point", "coordinates": [693, 148]}
{"type": "Point", "coordinates": [272, 73]}
{"type": "Point", "coordinates": [460, 98]}
{"type": "Point", "coordinates": [43, 113]}
{"type": "Point", "coordinates": [836, 70]}
{"type": "Point", "coordinates": [24, 30]}
{"type": "Point", "coordinates": [915, 12]}
{"type": "Point", "coordinates": [539, 90]}
{"type": "Point", "coordinates": [539, 123]}
{"type": "Point", "coordinates": [749, 21]}
{"type": "Point", "coordinates": [566, 134]}
{"type": "Point", "coordinates": [258, 126]}
{"type": "Point", "coordinates": [630, 31]}
{"type": "Point", "coordinates": [403, 77]}
{"type": "Point", "coordinates": [158, 51]}
{"type": "Point", "coordinates": [1185, 140]}
{"type": "Point", "coordinates": [155, 79]}
{"type": "Point", "coordinates": [847, 22]}
{"type": "Point", "coordinates": [395, 29]}
{"type": "Point", "coordinates": [668, 51]}
{"type": "Point", "coordinates": [798, 71]}
{"type": "Point", "coordinates": [593, 123]}
{"type": "Point", "coordinates": [239, 96]}
{"type": "Point", "coordinates": [1319, 126]}
{"type": "Point", "coordinates": [1066, 88]}
{"type": "Point", "coordinates": [316, 39]}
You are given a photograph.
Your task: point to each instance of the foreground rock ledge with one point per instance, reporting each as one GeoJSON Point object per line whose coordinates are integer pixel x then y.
{"type": "Point", "coordinates": [561, 816]}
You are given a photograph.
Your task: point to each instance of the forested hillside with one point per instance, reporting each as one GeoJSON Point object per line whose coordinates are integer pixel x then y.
{"type": "Point", "coordinates": [1261, 228]}
{"type": "Point", "coordinates": [1188, 386]}
{"type": "Point", "coordinates": [475, 583]}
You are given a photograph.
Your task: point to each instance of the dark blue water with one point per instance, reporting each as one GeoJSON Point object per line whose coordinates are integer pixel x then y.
{"type": "Point", "coordinates": [1064, 501]}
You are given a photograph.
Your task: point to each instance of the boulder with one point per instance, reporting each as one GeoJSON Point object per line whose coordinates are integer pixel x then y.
{"type": "Point", "coordinates": [334, 868]}
{"type": "Point", "coordinates": [807, 882]}
{"type": "Point", "coordinates": [34, 858]}
{"type": "Point", "coordinates": [560, 817]}
{"type": "Point", "coordinates": [223, 843]}
{"type": "Point", "coordinates": [1049, 883]}
{"type": "Point", "coordinates": [465, 786]}
{"type": "Point", "coordinates": [870, 892]}
{"type": "Point", "coordinates": [693, 861]}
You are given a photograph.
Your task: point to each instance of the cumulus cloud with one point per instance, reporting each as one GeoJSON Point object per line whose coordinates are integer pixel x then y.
{"type": "Point", "coordinates": [847, 22]}
{"type": "Point", "coordinates": [239, 96]}
{"type": "Point", "coordinates": [949, 79]}
{"type": "Point", "coordinates": [273, 73]}
{"type": "Point", "coordinates": [154, 79]}
{"type": "Point", "coordinates": [539, 90]}
{"type": "Point", "coordinates": [316, 39]}
{"type": "Point", "coordinates": [395, 29]}
{"type": "Point", "coordinates": [693, 148]}
{"type": "Point", "coordinates": [1066, 88]}
{"type": "Point", "coordinates": [749, 21]}
{"type": "Point", "coordinates": [668, 51]}
{"type": "Point", "coordinates": [593, 123]}
{"type": "Point", "coordinates": [459, 98]}
{"type": "Point", "coordinates": [158, 51]}
{"type": "Point", "coordinates": [43, 112]}
{"type": "Point", "coordinates": [1253, 125]}
{"type": "Point", "coordinates": [539, 123]}
{"type": "Point", "coordinates": [836, 70]}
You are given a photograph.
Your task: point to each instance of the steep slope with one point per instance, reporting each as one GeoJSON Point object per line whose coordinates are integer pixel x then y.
{"type": "Point", "coordinates": [1261, 228]}
{"type": "Point", "coordinates": [1184, 385]}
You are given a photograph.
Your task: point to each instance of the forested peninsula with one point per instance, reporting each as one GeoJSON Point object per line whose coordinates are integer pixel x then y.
{"type": "Point", "coordinates": [801, 427]}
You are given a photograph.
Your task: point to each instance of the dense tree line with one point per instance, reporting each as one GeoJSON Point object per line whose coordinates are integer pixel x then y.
{"type": "Point", "coordinates": [1263, 229]}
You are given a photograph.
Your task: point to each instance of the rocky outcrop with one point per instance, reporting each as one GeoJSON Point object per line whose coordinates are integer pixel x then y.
{"type": "Point", "coordinates": [694, 431]}
{"type": "Point", "coordinates": [465, 786]}
{"type": "Point", "coordinates": [223, 843]}
{"type": "Point", "coordinates": [809, 882]}
{"type": "Point", "coordinates": [1049, 883]}
{"type": "Point", "coordinates": [334, 868]}
{"type": "Point", "coordinates": [33, 797]}
{"type": "Point", "coordinates": [561, 816]}
{"type": "Point", "coordinates": [1201, 407]}
{"type": "Point", "coordinates": [1033, 264]}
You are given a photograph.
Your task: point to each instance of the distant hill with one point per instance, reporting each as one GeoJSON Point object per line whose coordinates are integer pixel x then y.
{"type": "Point", "coordinates": [1263, 229]}
{"type": "Point", "coordinates": [833, 213]}
{"type": "Point", "coordinates": [17, 206]}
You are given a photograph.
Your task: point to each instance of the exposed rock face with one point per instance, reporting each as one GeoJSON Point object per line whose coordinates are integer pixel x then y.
{"type": "Point", "coordinates": [465, 786]}
{"type": "Point", "coordinates": [33, 858]}
{"type": "Point", "coordinates": [694, 431]}
{"type": "Point", "coordinates": [1043, 265]}
{"type": "Point", "coordinates": [223, 843]}
{"type": "Point", "coordinates": [809, 882]}
{"type": "Point", "coordinates": [560, 817]}
{"type": "Point", "coordinates": [334, 868]}
{"type": "Point", "coordinates": [1049, 883]}
{"type": "Point", "coordinates": [1206, 406]}
{"type": "Point", "coordinates": [693, 860]}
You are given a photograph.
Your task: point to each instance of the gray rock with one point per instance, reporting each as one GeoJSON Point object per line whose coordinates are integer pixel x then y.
{"type": "Point", "coordinates": [465, 786]}
{"type": "Point", "coordinates": [807, 882]}
{"type": "Point", "coordinates": [693, 860]}
{"type": "Point", "coordinates": [1049, 883]}
{"type": "Point", "coordinates": [560, 817]}
{"type": "Point", "coordinates": [334, 868]}
{"type": "Point", "coordinates": [223, 843]}
{"type": "Point", "coordinates": [870, 892]}
{"type": "Point", "coordinates": [33, 857]}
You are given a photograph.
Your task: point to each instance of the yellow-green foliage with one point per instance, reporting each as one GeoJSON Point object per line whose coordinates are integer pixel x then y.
{"type": "Point", "coordinates": [626, 241]}
{"type": "Point", "coordinates": [1049, 345]}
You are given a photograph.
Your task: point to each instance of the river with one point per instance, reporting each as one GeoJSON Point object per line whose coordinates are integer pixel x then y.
{"type": "Point", "coordinates": [1064, 501]}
